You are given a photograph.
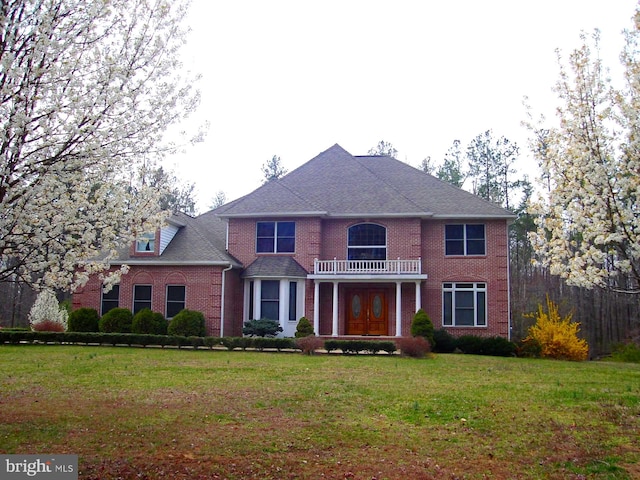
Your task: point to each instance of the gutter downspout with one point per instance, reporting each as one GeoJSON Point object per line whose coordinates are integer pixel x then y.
{"type": "Point", "coordinates": [222, 300]}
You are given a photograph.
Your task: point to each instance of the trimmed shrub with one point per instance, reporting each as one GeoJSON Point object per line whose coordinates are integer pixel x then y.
{"type": "Point", "coordinates": [498, 347]}
{"type": "Point", "coordinates": [444, 342]}
{"type": "Point", "coordinates": [309, 344]}
{"type": "Point", "coordinates": [557, 335]}
{"type": "Point", "coordinates": [470, 344]}
{"type": "Point", "coordinates": [211, 342]}
{"type": "Point", "coordinates": [261, 328]}
{"type": "Point", "coordinates": [84, 320]}
{"type": "Point", "coordinates": [304, 328]}
{"type": "Point", "coordinates": [187, 323]}
{"type": "Point", "coordinates": [146, 321]}
{"type": "Point", "coordinates": [421, 326]}
{"type": "Point", "coordinates": [416, 347]}
{"type": "Point", "coordinates": [116, 320]}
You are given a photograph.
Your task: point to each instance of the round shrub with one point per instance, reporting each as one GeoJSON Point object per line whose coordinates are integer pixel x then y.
{"type": "Point", "coordinates": [421, 326]}
{"type": "Point", "coordinates": [261, 328]}
{"type": "Point", "coordinates": [146, 321]}
{"type": "Point", "coordinates": [84, 320]}
{"type": "Point", "coordinates": [116, 320]}
{"type": "Point", "coordinates": [444, 341]}
{"type": "Point", "coordinates": [187, 323]}
{"type": "Point", "coordinates": [304, 328]}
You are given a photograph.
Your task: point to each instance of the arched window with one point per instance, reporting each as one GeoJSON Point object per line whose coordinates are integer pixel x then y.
{"type": "Point", "coordinates": [367, 241]}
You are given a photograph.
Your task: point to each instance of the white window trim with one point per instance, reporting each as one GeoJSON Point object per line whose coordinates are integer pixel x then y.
{"type": "Point", "coordinates": [475, 289]}
{"type": "Point", "coordinates": [386, 239]}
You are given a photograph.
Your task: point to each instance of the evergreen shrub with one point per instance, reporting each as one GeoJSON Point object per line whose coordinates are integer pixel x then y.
{"type": "Point", "coordinates": [116, 320]}
{"type": "Point", "coordinates": [187, 323]}
{"type": "Point", "coordinates": [304, 328]}
{"type": "Point", "coordinates": [146, 321]}
{"type": "Point", "coordinates": [262, 328]}
{"type": "Point", "coordinates": [444, 342]}
{"type": "Point", "coordinates": [421, 326]}
{"type": "Point", "coordinates": [84, 320]}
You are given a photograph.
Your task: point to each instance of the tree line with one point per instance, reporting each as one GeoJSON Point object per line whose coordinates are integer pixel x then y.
{"type": "Point", "coordinates": [88, 91]}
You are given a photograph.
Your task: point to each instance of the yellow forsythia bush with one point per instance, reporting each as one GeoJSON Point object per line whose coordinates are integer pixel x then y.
{"type": "Point", "coordinates": [557, 336]}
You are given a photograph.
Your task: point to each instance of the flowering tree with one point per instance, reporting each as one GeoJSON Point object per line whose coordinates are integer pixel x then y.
{"type": "Point", "coordinates": [47, 315]}
{"type": "Point", "coordinates": [588, 228]}
{"type": "Point", "coordinates": [88, 89]}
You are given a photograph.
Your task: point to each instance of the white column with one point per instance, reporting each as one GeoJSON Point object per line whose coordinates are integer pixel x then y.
{"type": "Point", "coordinates": [398, 309]}
{"type": "Point", "coordinates": [418, 296]}
{"type": "Point", "coordinates": [283, 304]}
{"type": "Point", "coordinates": [257, 304]}
{"type": "Point", "coordinates": [334, 328]}
{"type": "Point", "coordinates": [316, 307]}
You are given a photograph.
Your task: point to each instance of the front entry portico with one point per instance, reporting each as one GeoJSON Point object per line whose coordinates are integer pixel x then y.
{"type": "Point", "coordinates": [362, 294]}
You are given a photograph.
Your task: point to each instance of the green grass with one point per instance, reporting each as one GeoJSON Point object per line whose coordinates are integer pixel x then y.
{"type": "Point", "coordinates": [156, 413]}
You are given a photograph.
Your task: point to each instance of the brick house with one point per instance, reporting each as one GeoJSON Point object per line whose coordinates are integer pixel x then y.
{"type": "Point", "coordinates": [355, 243]}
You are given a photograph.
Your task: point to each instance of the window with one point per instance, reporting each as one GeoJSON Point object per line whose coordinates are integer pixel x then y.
{"type": "Point", "coordinates": [465, 239]}
{"type": "Point", "coordinates": [141, 297]}
{"type": "Point", "coordinates": [270, 299]}
{"type": "Point", "coordinates": [293, 301]}
{"type": "Point", "coordinates": [367, 241]}
{"type": "Point", "coordinates": [276, 237]}
{"type": "Point", "coordinates": [175, 299]}
{"type": "Point", "coordinates": [110, 299]}
{"type": "Point", "coordinates": [146, 242]}
{"type": "Point", "coordinates": [464, 305]}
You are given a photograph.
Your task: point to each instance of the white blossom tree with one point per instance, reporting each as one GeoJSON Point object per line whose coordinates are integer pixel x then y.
{"type": "Point", "coordinates": [88, 89]}
{"type": "Point", "coordinates": [589, 217]}
{"type": "Point", "coordinates": [47, 314]}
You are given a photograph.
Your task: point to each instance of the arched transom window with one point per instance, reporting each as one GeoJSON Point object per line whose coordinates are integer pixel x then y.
{"type": "Point", "coordinates": [367, 241]}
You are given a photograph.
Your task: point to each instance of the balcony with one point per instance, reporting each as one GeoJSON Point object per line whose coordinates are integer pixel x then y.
{"type": "Point", "coordinates": [367, 267]}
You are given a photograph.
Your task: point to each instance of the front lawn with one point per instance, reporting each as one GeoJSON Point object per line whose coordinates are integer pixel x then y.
{"type": "Point", "coordinates": [185, 414]}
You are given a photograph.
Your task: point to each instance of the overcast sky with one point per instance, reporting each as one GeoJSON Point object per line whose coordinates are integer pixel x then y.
{"type": "Point", "coordinates": [292, 78]}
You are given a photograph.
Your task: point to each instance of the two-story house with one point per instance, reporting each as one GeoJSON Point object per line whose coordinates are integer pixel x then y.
{"type": "Point", "coordinates": [355, 243]}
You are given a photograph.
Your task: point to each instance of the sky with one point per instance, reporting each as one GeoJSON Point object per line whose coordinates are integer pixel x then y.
{"type": "Point", "coordinates": [293, 78]}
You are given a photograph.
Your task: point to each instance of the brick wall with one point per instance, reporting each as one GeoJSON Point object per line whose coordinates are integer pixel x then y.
{"type": "Point", "coordinates": [491, 269]}
{"type": "Point", "coordinates": [203, 291]}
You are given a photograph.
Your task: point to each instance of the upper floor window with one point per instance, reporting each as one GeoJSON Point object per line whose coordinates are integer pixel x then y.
{"type": "Point", "coordinates": [276, 237]}
{"type": "Point", "coordinates": [466, 239]}
{"type": "Point", "coordinates": [367, 241]}
{"type": "Point", "coordinates": [146, 242]}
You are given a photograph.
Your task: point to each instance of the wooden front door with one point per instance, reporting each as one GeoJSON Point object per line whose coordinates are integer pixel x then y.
{"type": "Point", "coordinates": [367, 312]}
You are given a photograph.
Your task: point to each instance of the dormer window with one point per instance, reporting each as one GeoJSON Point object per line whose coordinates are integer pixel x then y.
{"type": "Point", "coordinates": [146, 243]}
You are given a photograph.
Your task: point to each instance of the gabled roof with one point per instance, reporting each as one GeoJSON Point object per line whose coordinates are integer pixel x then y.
{"type": "Point", "coordinates": [338, 184]}
{"type": "Point", "coordinates": [199, 241]}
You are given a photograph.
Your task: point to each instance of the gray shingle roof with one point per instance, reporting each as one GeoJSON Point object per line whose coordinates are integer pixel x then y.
{"type": "Point", "coordinates": [336, 183]}
{"type": "Point", "coordinates": [276, 266]}
{"type": "Point", "coordinates": [199, 241]}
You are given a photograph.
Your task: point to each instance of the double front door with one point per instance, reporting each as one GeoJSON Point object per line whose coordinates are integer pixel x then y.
{"type": "Point", "coordinates": [367, 312]}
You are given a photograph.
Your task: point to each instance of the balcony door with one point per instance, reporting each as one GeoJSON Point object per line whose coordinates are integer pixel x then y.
{"type": "Point", "coordinates": [367, 312]}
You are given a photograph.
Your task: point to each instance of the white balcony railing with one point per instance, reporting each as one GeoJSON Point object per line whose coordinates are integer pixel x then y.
{"type": "Point", "coordinates": [355, 267]}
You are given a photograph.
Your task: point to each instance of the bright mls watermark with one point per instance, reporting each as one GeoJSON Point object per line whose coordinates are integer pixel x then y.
{"type": "Point", "coordinates": [50, 467]}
